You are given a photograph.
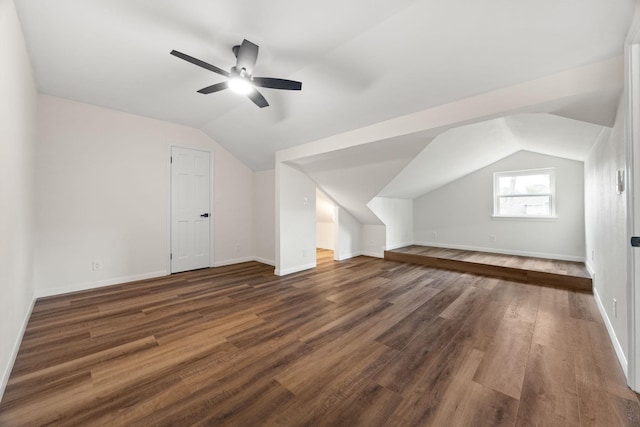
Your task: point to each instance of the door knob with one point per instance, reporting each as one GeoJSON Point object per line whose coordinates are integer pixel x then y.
{"type": "Point", "coordinates": [205, 215]}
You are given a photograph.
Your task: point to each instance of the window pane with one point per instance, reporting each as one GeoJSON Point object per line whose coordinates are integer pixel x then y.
{"type": "Point", "coordinates": [524, 184]}
{"type": "Point", "coordinates": [519, 206]}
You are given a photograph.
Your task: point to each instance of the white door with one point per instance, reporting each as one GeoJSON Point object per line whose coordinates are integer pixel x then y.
{"type": "Point", "coordinates": [633, 200]}
{"type": "Point", "coordinates": [190, 209]}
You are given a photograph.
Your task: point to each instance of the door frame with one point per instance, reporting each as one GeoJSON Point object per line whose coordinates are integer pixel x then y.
{"type": "Point", "coordinates": [632, 143]}
{"type": "Point", "coordinates": [211, 202]}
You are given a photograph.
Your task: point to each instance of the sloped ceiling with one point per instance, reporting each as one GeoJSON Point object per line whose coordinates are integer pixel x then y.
{"type": "Point", "coordinates": [459, 82]}
{"type": "Point", "coordinates": [325, 208]}
{"type": "Point", "coordinates": [361, 61]}
{"type": "Point", "coordinates": [353, 176]}
{"type": "Point", "coordinates": [460, 137]}
{"type": "Point", "coordinates": [462, 150]}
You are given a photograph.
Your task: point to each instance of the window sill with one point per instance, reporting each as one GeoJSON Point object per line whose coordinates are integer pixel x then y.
{"type": "Point", "coordinates": [525, 218]}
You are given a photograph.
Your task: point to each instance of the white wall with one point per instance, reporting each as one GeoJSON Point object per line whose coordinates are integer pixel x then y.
{"type": "Point", "coordinates": [397, 216]}
{"type": "Point", "coordinates": [18, 99]}
{"type": "Point", "coordinates": [349, 235]}
{"type": "Point", "coordinates": [460, 213]}
{"type": "Point", "coordinates": [103, 193]}
{"type": "Point", "coordinates": [296, 220]}
{"type": "Point", "coordinates": [606, 230]}
{"type": "Point", "coordinates": [325, 221]}
{"type": "Point", "coordinates": [233, 210]}
{"type": "Point", "coordinates": [325, 232]}
{"type": "Point", "coordinates": [264, 216]}
{"type": "Point", "coordinates": [374, 240]}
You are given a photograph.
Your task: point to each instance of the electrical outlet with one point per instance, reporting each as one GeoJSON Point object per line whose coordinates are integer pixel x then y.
{"type": "Point", "coordinates": [615, 308]}
{"type": "Point", "coordinates": [593, 254]}
{"type": "Point", "coordinates": [492, 238]}
{"type": "Point", "coordinates": [237, 249]}
{"type": "Point", "coordinates": [434, 234]}
{"type": "Point", "coordinates": [96, 265]}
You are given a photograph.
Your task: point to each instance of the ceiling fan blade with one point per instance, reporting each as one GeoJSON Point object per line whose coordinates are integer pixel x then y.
{"type": "Point", "coordinates": [247, 56]}
{"type": "Point", "coordinates": [214, 88]}
{"type": "Point", "coordinates": [258, 99]}
{"type": "Point", "coordinates": [273, 83]}
{"type": "Point", "coordinates": [200, 63]}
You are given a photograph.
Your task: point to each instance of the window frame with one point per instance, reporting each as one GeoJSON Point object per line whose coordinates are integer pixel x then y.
{"type": "Point", "coordinates": [526, 172]}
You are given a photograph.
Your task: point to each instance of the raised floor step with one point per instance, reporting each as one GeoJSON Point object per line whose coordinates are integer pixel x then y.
{"type": "Point", "coordinates": [535, 271]}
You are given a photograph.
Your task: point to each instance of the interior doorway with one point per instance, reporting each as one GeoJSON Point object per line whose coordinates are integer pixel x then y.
{"type": "Point", "coordinates": [325, 226]}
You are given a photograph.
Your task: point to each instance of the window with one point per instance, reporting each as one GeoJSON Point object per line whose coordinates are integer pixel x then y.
{"type": "Point", "coordinates": [528, 193]}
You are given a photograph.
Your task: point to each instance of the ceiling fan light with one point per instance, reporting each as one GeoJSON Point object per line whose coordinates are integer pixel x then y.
{"type": "Point", "coordinates": [240, 85]}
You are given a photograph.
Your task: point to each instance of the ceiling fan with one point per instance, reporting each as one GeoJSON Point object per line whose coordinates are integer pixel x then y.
{"type": "Point", "coordinates": [240, 78]}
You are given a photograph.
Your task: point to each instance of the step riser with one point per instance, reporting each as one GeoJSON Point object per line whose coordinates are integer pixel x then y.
{"type": "Point", "coordinates": [539, 278]}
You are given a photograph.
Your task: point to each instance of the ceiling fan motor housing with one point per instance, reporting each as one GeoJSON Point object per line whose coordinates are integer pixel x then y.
{"type": "Point", "coordinates": [240, 77]}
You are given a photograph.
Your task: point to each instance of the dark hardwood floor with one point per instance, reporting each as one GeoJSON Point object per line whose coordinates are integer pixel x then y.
{"type": "Point", "coordinates": [361, 342]}
{"type": "Point", "coordinates": [537, 271]}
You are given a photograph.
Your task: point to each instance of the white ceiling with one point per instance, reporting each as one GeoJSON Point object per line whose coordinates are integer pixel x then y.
{"type": "Point", "coordinates": [325, 209]}
{"type": "Point", "coordinates": [353, 176]}
{"type": "Point", "coordinates": [361, 62]}
{"type": "Point", "coordinates": [465, 149]}
{"type": "Point", "coordinates": [559, 115]}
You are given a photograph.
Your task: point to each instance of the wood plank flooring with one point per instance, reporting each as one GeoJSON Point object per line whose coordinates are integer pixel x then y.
{"type": "Point", "coordinates": [536, 271]}
{"type": "Point", "coordinates": [363, 342]}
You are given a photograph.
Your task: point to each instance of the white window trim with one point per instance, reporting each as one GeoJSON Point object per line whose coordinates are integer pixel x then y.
{"type": "Point", "coordinates": [552, 199]}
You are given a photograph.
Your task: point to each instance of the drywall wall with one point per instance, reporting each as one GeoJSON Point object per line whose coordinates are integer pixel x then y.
{"type": "Point", "coordinates": [233, 211]}
{"type": "Point", "coordinates": [325, 235]}
{"type": "Point", "coordinates": [18, 102]}
{"type": "Point", "coordinates": [606, 230]}
{"type": "Point", "coordinates": [103, 194]}
{"type": "Point", "coordinates": [374, 240]}
{"type": "Point", "coordinates": [349, 235]}
{"type": "Point", "coordinates": [458, 215]}
{"type": "Point", "coordinates": [296, 220]}
{"type": "Point", "coordinates": [397, 216]}
{"type": "Point", "coordinates": [325, 221]}
{"type": "Point", "coordinates": [264, 216]}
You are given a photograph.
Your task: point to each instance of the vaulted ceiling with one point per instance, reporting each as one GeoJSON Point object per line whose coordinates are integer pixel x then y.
{"type": "Point", "coordinates": [398, 97]}
{"type": "Point", "coordinates": [361, 61]}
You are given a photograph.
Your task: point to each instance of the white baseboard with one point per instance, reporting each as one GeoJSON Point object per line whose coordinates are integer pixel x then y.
{"type": "Point", "coordinates": [612, 334]}
{"type": "Point", "coordinates": [399, 245]}
{"type": "Point", "coordinates": [296, 269]}
{"type": "Point", "coordinates": [591, 271]}
{"type": "Point", "coordinates": [245, 259]}
{"type": "Point", "coordinates": [361, 253]}
{"type": "Point", "coordinates": [40, 293]}
{"type": "Point", "coordinates": [347, 256]}
{"type": "Point", "coordinates": [372, 254]}
{"type": "Point", "coordinates": [503, 251]}
{"type": "Point", "coordinates": [14, 351]}
{"type": "Point", "coordinates": [233, 261]}
{"type": "Point", "coordinates": [265, 261]}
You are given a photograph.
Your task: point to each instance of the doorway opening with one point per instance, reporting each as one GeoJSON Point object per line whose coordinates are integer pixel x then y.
{"type": "Point", "coordinates": [326, 224]}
